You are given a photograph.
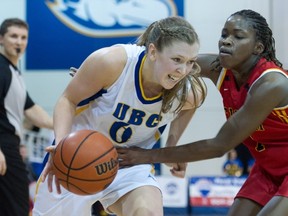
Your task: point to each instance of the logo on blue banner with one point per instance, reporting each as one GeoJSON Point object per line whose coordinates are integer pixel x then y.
{"type": "Point", "coordinates": [69, 30]}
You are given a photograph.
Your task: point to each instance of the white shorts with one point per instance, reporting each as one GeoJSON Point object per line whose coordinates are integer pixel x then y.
{"type": "Point", "coordinates": [67, 203]}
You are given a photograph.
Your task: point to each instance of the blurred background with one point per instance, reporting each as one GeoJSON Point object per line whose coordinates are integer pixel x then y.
{"type": "Point", "coordinates": [64, 32]}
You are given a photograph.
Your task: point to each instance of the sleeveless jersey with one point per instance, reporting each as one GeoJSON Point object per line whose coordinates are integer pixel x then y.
{"type": "Point", "coordinates": [123, 112]}
{"type": "Point", "coordinates": [125, 115]}
{"type": "Point", "coordinates": [269, 143]}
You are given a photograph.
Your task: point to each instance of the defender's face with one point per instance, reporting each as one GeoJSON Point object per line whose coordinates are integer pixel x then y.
{"type": "Point", "coordinates": [237, 42]}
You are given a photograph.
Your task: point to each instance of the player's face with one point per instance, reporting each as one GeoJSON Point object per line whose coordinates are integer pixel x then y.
{"type": "Point", "coordinates": [174, 63]}
{"type": "Point", "coordinates": [14, 41]}
{"type": "Point", "coordinates": [237, 43]}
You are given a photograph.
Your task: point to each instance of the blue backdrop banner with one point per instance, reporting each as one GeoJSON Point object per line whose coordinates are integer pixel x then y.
{"type": "Point", "coordinates": [64, 32]}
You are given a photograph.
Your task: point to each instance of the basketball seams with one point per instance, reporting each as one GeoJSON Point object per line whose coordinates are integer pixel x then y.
{"type": "Point", "coordinates": [88, 164]}
{"type": "Point", "coordinates": [85, 192]}
{"type": "Point", "coordinates": [61, 158]}
{"type": "Point", "coordinates": [90, 180]}
{"type": "Point", "coordinates": [77, 149]}
{"type": "Point", "coordinates": [73, 157]}
{"type": "Point", "coordinates": [83, 180]}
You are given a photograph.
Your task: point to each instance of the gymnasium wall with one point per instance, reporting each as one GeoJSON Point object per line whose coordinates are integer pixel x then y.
{"type": "Point", "coordinates": [208, 17]}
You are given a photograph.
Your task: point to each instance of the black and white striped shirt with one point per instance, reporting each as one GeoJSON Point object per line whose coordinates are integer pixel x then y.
{"type": "Point", "coordinates": [14, 98]}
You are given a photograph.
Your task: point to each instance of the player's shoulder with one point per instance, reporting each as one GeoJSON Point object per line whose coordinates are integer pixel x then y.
{"type": "Point", "coordinates": [210, 67]}
{"type": "Point", "coordinates": [111, 53]}
{"type": "Point", "coordinates": [108, 58]}
{"type": "Point", "coordinates": [206, 62]}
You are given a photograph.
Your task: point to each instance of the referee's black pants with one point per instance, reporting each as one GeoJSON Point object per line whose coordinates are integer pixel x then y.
{"type": "Point", "coordinates": [14, 185]}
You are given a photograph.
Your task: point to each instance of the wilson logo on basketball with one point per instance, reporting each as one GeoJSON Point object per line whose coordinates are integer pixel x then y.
{"type": "Point", "coordinates": [105, 167]}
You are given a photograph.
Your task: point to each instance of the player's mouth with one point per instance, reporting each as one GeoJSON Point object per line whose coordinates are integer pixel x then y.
{"type": "Point", "coordinates": [174, 78]}
{"type": "Point", "coordinates": [225, 51]}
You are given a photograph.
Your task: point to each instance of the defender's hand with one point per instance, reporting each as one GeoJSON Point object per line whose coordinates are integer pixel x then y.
{"type": "Point", "coordinates": [178, 169]}
{"type": "Point", "coordinates": [132, 156]}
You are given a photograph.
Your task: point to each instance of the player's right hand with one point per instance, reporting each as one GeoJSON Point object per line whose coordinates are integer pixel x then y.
{"type": "Point", "coordinates": [3, 165]}
{"type": "Point", "coordinates": [178, 169]}
{"type": "Point", "coordinates": [48, 171]}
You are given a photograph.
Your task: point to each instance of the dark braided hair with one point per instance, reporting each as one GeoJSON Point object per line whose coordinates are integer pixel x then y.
{"type": "Point", "coordinates": [263, 34]}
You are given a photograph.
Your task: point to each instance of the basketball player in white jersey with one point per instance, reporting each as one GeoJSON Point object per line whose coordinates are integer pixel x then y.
{"type": "Point", "coordinates": [129, 93]}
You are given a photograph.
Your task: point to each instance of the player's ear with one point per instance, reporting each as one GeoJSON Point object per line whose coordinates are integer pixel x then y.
{"type": "Point", "coordinates": [152, 51]}
{"type": "Point", "coordinates": [259, 48]}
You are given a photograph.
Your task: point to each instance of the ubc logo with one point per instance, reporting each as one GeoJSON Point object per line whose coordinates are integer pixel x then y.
{"type": "Point", "coordinates": [110, 18]}
{"type": "Point", "coordinates": [106, 166]}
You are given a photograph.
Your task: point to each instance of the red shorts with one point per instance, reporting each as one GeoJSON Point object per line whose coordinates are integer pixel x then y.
{"type": "Point", "coordinates": [260, 187]}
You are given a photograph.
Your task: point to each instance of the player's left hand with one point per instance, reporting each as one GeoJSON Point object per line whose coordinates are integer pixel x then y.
{"type": "Point", "coordinates": [178, 169]}
{"type": "Point", "coordinates": [48, 171]}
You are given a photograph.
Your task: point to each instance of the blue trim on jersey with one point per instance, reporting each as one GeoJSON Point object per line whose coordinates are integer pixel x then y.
{"type": "Point", "coordinates": [93, 97]}
{"type": "Point", "coordinates": [162, 128]}
{"type": "Point", "coordinates": [139, 91]}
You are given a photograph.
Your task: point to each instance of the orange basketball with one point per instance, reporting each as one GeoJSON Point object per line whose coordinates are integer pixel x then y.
{"type": "Point", "coordinates": [85, 162]}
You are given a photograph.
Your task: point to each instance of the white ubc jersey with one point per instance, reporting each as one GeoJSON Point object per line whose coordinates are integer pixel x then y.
{"type": "Point", "coordinates": [127, 117]}
{"type": "Point", "coordinates": [123, 112]}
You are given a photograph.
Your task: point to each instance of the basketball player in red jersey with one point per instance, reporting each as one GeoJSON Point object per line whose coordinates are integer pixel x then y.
{"type": "Point", "coordinates": [254, 88]}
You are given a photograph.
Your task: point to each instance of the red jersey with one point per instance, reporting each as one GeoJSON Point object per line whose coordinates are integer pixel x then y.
{"type": "Point", "coordinates": [269, 143]}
